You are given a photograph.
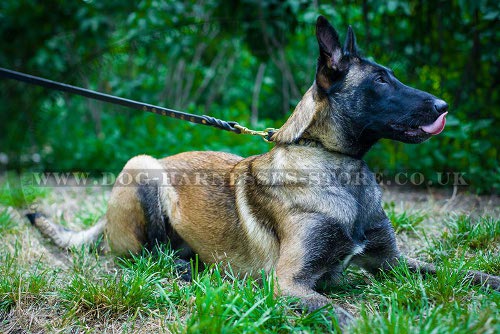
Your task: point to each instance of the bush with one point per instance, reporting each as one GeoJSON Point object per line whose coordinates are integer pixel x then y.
{"type": "Point", "coordinates": [204, 58]}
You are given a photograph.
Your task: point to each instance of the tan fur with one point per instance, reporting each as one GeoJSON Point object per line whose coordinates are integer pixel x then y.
{"type": "Point", "coordinates": [125, 228]}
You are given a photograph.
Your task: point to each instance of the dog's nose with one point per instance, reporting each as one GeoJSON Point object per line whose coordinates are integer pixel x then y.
{"type": "Point", "coordinates": [440, 106]}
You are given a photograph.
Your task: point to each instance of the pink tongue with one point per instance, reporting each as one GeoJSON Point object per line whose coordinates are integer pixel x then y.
{"type": "Point", "coordinates": [436, 127]}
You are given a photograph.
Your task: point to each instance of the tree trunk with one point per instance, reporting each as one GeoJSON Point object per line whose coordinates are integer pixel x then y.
{"type": "Point", "coordinates": [256, 92]}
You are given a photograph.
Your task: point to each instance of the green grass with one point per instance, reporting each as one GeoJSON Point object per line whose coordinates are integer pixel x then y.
{"type": "Point", "coordinates": [216, 301]}
{"type": "Point", "coordinates": [481, 233]}
{"type": "Point", "coordinates": [90, 212]}
{"type": "Point", "coordinates": [87, 218]}
{"type": "Point", "coordinates": [403, 221]}
{"type": "Point", "coordinates": [92, 291]}
{"type": "Point", "coordinates": [21, 284]}
{"type": "Point", "coordinates": [446, 303]}
{"type": "Point", "coordinates": [20, 191]}
{"type": "Point", "coordinates": [7, 224]}
{"type": "Point", "coordinates": [477, 317]}
{"type": "Point", "coordinates": [123, 292]}
{"type": "Point", "coordinates": [474, 242]}
{"type": "Point", "coordinates": [226, 304]}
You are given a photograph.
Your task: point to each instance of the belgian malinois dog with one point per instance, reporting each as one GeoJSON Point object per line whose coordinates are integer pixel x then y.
{"type": "Point", "coordinates": [306, 209]}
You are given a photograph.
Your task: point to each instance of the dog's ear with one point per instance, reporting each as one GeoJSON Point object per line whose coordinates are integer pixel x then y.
{"type": "Point", "coordinates": [350, 46]}
{"type": "Point", "coordinates": [298, 122]}
{"type": "Point", "coordinates": [330, 53]}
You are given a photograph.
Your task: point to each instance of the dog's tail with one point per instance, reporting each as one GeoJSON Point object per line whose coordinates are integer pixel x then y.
{"type": "Point", "coordinates": [64, 237]}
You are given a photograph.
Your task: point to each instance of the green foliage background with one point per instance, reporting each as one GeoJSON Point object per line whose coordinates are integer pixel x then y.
{"type": "Point", "coordinates": [205, 58]}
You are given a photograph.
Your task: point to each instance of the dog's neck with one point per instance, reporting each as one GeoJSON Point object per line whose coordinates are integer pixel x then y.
{"type": "Point", "coordinates": [336, 137]}
{"type": "Point", "coordinates": [316, 122]}
{"type": "Point", "coordinates": [308, 142]}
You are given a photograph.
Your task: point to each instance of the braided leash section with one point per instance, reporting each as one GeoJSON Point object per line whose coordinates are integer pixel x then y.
{"type": "Point", "coordinates": [237, 128]}
{"type": "Point", "coordinates": [218, 123]}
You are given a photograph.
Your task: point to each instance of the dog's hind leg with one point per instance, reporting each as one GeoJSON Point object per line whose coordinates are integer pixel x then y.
{"type": "Point", "coordinates": [159, 231]}
{"type": "Point", "coordinates": [140, 208]}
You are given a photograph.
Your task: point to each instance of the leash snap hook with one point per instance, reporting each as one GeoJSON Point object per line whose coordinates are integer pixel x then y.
{"type": "Point", "coordinates": [265, 134]}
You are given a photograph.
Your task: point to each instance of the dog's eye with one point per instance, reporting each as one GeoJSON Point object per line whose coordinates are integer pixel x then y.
{"type": "Point", "coordinates": [380, 79]}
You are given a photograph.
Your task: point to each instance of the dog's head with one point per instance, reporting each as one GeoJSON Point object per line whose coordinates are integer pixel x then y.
{"type": "Point", "coordinates": [354, 102]}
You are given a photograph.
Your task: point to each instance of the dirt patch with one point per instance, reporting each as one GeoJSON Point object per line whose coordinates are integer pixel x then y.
{"type": "Point", "coordinates": [438, 206]}
{"type": "Point", "coordinates": [444, 201]}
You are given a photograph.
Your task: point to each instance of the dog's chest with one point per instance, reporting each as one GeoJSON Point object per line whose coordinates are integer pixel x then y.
{"type": "Point", "coordinates": [353, 198]}
{"type": "Point", "coordinates": [333, 185]}
{"type": "Point", "coordinates": [336, 186]}
{"type": "Point", "coordinates": [345, 185]}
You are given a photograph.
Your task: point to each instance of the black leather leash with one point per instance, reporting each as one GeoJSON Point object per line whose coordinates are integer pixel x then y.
{"type": "Point", "coordinates": [203, 119]}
